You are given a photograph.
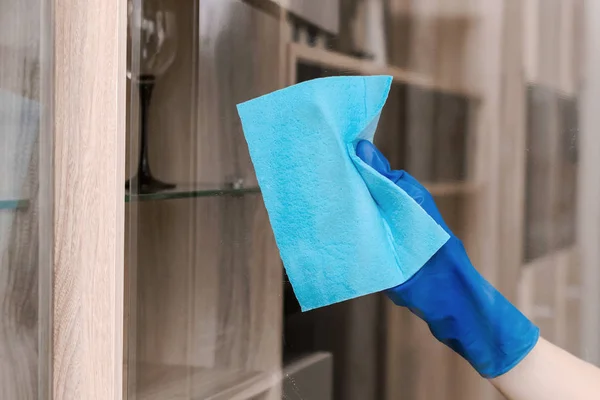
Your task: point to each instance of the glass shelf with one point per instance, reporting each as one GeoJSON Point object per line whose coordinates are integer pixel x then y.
{"type": "Point", "coordinates": [189, 192]}
{"type": "Point", "coordinates": [13, 204]}
{"type": "Point", "coordinates": [159, 382]}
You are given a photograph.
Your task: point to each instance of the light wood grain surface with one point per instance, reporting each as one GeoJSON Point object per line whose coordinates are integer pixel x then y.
{"type": "Point", "coordinates": [89, 128]}
{"type": "Point", "coordinates": [553, 30]}
{"type": "Point", "coordinates": [512, 153]}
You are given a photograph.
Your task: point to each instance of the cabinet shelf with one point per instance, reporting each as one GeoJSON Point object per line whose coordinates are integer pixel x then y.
{"type": "Point", "coordinates": [159, 382]}
{"type": "Point", "coordinates": [189, 192]}
{"type": "Point", "coordinates": [13, 204]}
{"type": "Point", "coordinates": [300, 52]}
{"type": "Point", "coordinates": [551, 258]}
{"type": "Point", "coordinates": [439, 189]}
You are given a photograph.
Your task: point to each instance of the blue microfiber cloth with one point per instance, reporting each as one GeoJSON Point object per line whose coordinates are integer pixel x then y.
{"type": "Point", "coordinates": [343, 230]}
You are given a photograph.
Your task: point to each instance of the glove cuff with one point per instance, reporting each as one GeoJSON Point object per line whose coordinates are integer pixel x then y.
{"type": "Point", "coordinates": [466, 313]}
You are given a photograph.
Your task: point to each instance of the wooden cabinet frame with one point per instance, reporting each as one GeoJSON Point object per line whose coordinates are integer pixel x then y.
{"type": "Point", "coordinates": [89, 169]}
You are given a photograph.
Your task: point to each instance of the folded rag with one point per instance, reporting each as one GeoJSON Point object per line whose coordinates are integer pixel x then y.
{"type": "Point", "coordinates": [342, 229]}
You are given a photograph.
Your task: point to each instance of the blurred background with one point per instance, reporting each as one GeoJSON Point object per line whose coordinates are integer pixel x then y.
{"type": "Point", "coordinates": [493, 107]}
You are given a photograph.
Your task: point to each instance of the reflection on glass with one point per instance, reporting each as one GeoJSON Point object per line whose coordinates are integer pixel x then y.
{"type": "Point", "coordinates": [205, 276]}
{"type": "Point", "coordinates": [155, 27]}
{"type": "Point", "coordinates": [25, 237]}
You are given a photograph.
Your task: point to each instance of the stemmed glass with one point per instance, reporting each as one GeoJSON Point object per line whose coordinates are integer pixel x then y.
{"type": "Point", "coordinates": [152, 31]}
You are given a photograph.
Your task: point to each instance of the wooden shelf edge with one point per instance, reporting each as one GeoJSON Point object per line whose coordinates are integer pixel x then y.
{"type": "Point", "coordinates": [568, 92]}
{"type": "Point", "coordinates": [331, 59]}
{"type": "Point", "coordinates": [569, 252]}
{"type": "Point", "coordinates": [271, 7]}
{"type": "Point", "coordinates": [452, 188]}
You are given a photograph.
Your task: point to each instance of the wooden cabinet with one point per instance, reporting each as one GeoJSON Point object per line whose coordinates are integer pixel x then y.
{"type": "Point", "coordinates": [179, 293]}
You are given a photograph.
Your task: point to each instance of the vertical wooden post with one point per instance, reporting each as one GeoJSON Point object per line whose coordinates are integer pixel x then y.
{"type": "Point", "coordinates": [588, 231]}
{"type": "Point", "coordinates": [89, 153]}
{"type": "Point", "coordinates": [511, 178]}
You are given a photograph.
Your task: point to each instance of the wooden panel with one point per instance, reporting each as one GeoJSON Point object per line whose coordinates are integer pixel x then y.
{"type": "Point", "coordinates": [89, 67]}
{"type": "Point", "coordinates": [545, 304]}
{"type": "Point", "coordinates": [165, 231]}
{"type": "Point", "coordinates": [553, 36]}
{"type": "Point", "coordinates": [212, 304]}
{"type": "Point", "coordinates": [324, 15]}
{"type": "Point", "coordinates": [495, 246]}
{"type": "Point", "coordinates": [588, 217]}
{"type": "Point", "coordinates": [549, 40]}
{"type": "Point", "coordinates": [440, 42]}
{"type": "Point", "coordinates": [512, 149]}
{"type": "Point", "coordinates": [417, 366]}
{"type": "Point", "coordinates": [399, 27]}
{"type": "Point", "coordinates": [531, 33]}
{"type": "Point", "coordinates": [567, 46]}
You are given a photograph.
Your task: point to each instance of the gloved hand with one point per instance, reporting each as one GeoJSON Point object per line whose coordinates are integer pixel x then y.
{"type": "Point", "coordinates": [461, 308]}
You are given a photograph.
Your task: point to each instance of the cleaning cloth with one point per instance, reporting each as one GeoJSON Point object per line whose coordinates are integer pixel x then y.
{"type": "Point", "coordinates": [343, 230]}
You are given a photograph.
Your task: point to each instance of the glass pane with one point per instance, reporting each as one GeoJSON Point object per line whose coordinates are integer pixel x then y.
{"type": "Point", "coordinates": [483, 109]}
{"type": "Point", "coordinates": [25, 201]}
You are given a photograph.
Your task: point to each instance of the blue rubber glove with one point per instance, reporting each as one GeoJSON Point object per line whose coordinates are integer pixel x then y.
{"type": "Point", "coordinates": [462, 309]}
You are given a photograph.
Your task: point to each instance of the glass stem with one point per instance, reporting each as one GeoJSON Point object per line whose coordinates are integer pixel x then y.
{"type": "Point", "coordinates": [145, 87]}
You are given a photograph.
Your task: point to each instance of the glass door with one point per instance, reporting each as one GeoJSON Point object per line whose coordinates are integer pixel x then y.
{"type": "Point", "coordinates": [25, 200]}
{"type": "Point", "coordinates": [203, 271]}
{"type": "Point", "coordinates": [483, 109]}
